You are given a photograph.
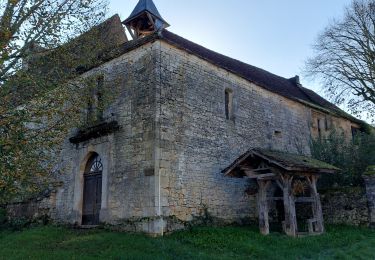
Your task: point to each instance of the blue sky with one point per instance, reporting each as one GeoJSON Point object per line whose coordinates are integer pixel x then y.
{"type": "Point", "coordinates": [275, 35]}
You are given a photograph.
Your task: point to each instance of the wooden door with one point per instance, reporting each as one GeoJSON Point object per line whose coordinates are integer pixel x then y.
{"type": "Point", "coordinates": [92, 191]}
{"type": "Point", "coordinates": [92, 198]}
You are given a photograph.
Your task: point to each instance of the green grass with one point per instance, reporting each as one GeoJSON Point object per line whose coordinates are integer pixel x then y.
{"type": "Point", "coordinates": [203, 243]}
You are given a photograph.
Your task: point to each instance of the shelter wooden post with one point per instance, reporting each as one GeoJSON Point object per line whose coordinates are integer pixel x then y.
{"type": "Point", "coordinates": [289, 206]}
{"type": "Point", "coordinates": [263, 207]}
{"type": "Point", "coordinates": [317, 206]}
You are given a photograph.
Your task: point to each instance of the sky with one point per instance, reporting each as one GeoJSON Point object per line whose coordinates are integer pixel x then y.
{"type": "Point", "coordinates": [275, 35]}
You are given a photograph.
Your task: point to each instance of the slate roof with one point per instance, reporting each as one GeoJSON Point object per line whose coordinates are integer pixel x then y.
{"type": "Point", "coordinates": [291, 163]}
{"type": "Point", "coordinates": [143, 6]}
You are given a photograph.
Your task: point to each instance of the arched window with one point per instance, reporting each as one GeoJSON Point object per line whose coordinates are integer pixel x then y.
{"type": "Point", "coordinates": [94, 165]}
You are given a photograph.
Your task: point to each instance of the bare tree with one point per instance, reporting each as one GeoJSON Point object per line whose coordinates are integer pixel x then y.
{"type": "Point", "coordinates": [344, 59]}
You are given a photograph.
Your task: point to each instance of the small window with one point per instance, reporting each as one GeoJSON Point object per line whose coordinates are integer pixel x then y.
{"type": "Point", "coordinates": [319, 128]}
{"type": "Point", "coordinates": [278, 134]}
{"type": "Point", "coordinates": [325, 124]}
{"type": "Point", "coordinates": [229, 104]}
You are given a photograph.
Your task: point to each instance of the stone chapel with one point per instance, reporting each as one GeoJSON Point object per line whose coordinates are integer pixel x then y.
{"type": "Point", "coordinates": [193, 136]}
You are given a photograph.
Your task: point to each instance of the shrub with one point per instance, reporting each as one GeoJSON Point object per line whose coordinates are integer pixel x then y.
{"type": "Point", "coordinates": [18, 224]}
{"type": "Point", "coordinates": [352, 157]}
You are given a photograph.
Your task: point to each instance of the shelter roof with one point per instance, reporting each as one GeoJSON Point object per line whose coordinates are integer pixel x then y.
{"type": "Point", "coordinates": [287, 162]}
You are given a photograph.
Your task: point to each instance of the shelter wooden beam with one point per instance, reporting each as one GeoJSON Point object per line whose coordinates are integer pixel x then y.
{"type": "Point", "coordinates": [289, 206]}
{"type": "Point", "coordinates": [263, 206]}
{"type": "Point", "coordinates": [317, 206]}
{"type": "Point", "coordinates": [131, 32]}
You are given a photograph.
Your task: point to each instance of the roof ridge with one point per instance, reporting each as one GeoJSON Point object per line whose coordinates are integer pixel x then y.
{"type": "Point", "coordinates": [227, 57]}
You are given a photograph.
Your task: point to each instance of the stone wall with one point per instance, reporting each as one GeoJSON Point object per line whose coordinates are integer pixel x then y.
{"type": "Point", "coordinates": [322, 124]}
{"type": "Point", "coordinates": [196, 141]}
{"type": "Point", "coordinates": [129, 187]}
{"type": "Point", "coordinates": [42, 207]}
{"type": "Point", "coordinates": [370, 193]}
{"type": "Point", "coordinates": [163, 167]}
{"type": "Point", "coordinates": [348, 206]}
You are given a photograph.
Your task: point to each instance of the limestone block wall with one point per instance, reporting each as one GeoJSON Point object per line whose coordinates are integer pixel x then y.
{"type": "Point", "coordinates": [322, 124]}
{"type": "Point", "coordinates": [347, 206]}
{"type": "Point", "coordinates": [166, 159]}
{"type": "Point", "coordinates": [39, 208]}
{"type": "Point", "coordinates": [129, 189]}
{"type": "Point", "coordinates": [196, 141]}
{"type": "Point", "coordinates": [370, 194]}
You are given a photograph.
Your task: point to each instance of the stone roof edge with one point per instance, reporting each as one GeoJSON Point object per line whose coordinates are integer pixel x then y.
{"type": "Point", "coordinates": [342, 113]}
{"type": "Point", "coordinates": [123, 49]}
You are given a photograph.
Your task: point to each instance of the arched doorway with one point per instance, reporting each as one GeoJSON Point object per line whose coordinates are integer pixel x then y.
{"type": "Point", "coordinates": [92, 191]}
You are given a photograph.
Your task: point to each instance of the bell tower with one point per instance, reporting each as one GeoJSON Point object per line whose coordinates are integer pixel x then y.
{"type": "Point", "coordinates": [144, 20]}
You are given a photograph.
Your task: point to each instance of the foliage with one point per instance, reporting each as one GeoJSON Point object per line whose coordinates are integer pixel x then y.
{"type": "Point", "coordinates": [344, 58]}
{"type": "Point", "coordinates": [41, 24]}
{"type": "Point", "coordinates": [198, 243]}
{"type": "Point", "coordinates": [18, 224]}
{"type": "Point", "coordinates": [352, 157]}
{"type": "Point", "coordinates": [43, 95]}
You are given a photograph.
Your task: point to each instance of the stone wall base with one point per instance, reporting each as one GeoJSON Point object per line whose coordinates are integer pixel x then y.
{"type": "Point", "coordinates": [159, 226]}
{"type": "Point", "coordinates": [350, 206]}
{"type": "Point", "coordinates": [40, 208]}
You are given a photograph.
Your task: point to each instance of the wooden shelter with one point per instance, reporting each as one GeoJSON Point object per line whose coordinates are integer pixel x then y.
{"type": "Point", "coordinates": [295, 175]}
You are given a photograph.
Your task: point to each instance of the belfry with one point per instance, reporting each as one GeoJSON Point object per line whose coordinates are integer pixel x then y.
{"type": "Point", "coordinates": [144, 20]}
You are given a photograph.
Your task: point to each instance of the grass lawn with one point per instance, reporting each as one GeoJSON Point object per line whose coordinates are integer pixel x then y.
{"type": "Point", "coordinates": [203, 243]}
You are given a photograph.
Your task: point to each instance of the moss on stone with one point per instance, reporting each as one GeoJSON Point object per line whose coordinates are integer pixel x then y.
{"type": "Point", "coordinates": [295, 160]}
